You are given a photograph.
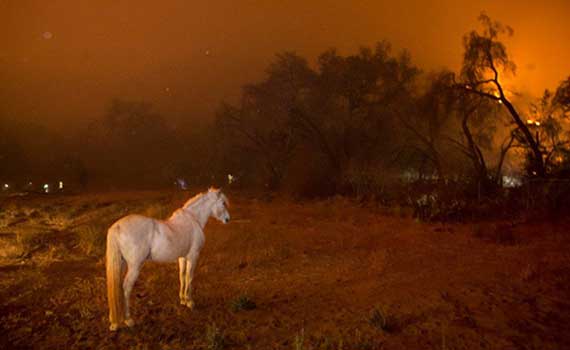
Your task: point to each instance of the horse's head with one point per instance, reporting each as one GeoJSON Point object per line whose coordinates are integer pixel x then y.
{"type": "Point", "coordinates": [220, 205]}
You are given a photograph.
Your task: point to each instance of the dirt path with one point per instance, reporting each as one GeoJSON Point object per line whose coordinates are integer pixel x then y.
{"type": "Point", "coordinates": [322, 275]}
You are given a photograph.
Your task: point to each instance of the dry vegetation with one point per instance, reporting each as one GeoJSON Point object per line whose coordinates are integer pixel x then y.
{"type": "Point", "coordinates": [328, 274]}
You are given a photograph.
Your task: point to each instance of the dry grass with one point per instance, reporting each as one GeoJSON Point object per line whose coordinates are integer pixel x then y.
{"type": "Point", "coordinates": [322, 275]}
{"type": "Point", "coordinates": [157, 211]}
{"type": "Point", "coordinates": [215, 338]}
{"type": "Point", "coordinates": [33, 241]}
{"type": "Point", "coordinates": [92, 238]}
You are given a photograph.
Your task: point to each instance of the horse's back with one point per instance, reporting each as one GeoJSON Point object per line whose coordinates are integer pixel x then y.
{"type": "Point", "coordinates": [134, 234]}
{"type": "Point", "coordinates": [133, 224]}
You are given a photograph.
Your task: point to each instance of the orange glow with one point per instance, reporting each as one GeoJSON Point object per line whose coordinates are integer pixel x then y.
{"type": "Point", "coordinates": [532, 122]}
{"type": "Point", "coordinates": [99, 50]}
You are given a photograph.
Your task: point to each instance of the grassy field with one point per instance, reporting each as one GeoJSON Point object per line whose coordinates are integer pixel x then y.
{"type": "Point", "coordinates": [330, 274]}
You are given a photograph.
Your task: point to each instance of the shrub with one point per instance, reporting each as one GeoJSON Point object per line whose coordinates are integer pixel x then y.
{"type": "Point", "coordinates": [380, 320]}
{"type": "Point", "coordinates": [242, 302]}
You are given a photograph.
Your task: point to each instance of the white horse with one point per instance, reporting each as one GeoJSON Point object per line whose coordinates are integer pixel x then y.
{"type": "Point", "coordinates": [135, 238]}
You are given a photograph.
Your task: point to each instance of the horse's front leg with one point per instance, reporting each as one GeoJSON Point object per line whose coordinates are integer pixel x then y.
{"type": "Point", "coordinates": [191, 262]}
{"type": "Point", "coordinates": [182, 277]}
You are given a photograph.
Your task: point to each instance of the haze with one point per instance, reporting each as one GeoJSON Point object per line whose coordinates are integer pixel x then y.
{"type": "Point", "coordinates": [62, 61]}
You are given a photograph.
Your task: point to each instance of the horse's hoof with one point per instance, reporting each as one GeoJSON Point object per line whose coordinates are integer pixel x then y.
{"type": "Point", "coordinates": [114, 327]}
{"type": "Point", "coordinates": [190, 304]}
{"type": "Point", "coordinates": [129, 322]}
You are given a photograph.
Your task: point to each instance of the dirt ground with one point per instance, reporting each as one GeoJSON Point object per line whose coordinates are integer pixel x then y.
{"type": "Point", "coordinates": [284, 274]}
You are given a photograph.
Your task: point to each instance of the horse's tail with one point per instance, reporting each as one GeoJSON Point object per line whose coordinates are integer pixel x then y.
{"type": "Point", "coordinates": [114, 286]}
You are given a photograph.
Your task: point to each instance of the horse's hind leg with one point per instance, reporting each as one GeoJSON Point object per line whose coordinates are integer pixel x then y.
{"type": "Point", "coordinates": [128, 283]}
{"type": "Point", "coordinates": [182, 267]}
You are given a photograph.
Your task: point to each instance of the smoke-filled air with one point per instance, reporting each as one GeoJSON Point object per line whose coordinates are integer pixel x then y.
{"type": "Point", "coordinates": [284, 175]}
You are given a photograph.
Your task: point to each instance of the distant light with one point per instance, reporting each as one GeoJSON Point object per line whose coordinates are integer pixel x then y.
{"type": "Point", "coordinates": [46, 188]}
{"type": "Point", "coordinates": [530, 121]}
{"type": "Point", "coordinates": [181, 183]}
{"type": "Point", "coordinates": [6, 186]}
{"type": "Point", "coordinates": [61, 185]}
{"type": "Point", "coordinates": [537, 123]}
{"type": "Point", "coordinates": [511, 181]}
{"type": "Point", "coordinates": [500, 101]}
{"type": "Point", "coordinates": [231, 179]}
{"type": "Point", "coordinates": [47, 35]}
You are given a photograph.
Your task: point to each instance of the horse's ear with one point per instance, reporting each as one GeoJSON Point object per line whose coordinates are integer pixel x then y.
{"type": "Point", "coordinates": [213, 189]}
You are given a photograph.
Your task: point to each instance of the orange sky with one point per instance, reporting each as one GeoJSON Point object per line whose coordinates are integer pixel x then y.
{"type": "Point", "coordinates": [61, 61]}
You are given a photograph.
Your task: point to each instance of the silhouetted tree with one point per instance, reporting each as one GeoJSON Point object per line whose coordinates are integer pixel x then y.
{"type": "Point", "coordinates": [479, 120]}
{"type": "Point", "coordinates": [132, 144]}
{"type": "Point", "coordinates": [261, 124]}
{"type": "Point", "coordinates": [549, 118]}
{"type": "Point", "coordinates": [484, 61]}
{"type": "Point", "coordinates": [11, 157]}
{"type": "Point", "coordinates": [350, 114]}
{"type": "Point", "coordinates": [430, 119]}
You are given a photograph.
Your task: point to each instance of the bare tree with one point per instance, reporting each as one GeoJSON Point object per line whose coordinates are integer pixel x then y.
{"type": "Point", "coordinates": [429, 120]}
{"type": "Point", "coordinates": [550, 117]}
{"type": "Point", "coordinates": [485, 60]}
{"type": "Point", "coordinates": [479, 118]}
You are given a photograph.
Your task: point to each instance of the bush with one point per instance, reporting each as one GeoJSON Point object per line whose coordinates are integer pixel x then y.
{"type": "Point", "coordinates": [242, 302]}
{"type": "Point", "coordinates": [380, 320]}
{"type": "Point", "coordinates": [432, 207]}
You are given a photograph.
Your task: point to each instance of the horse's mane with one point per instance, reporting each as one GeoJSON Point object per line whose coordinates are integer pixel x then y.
{"type": "Point", "coordinates": [196, 199]}
{"type": "Point", "coordinates": [193, 200]}
{"type": "Point", "coordinates": [199, 196]}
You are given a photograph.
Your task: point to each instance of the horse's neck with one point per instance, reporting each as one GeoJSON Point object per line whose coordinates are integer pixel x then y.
{"type": "Point", "coordinates": [201, 214]}
{"type": "Point", "coordinates": [184, 222]}
{"type": "Point", "coordinates": [200, 210]}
